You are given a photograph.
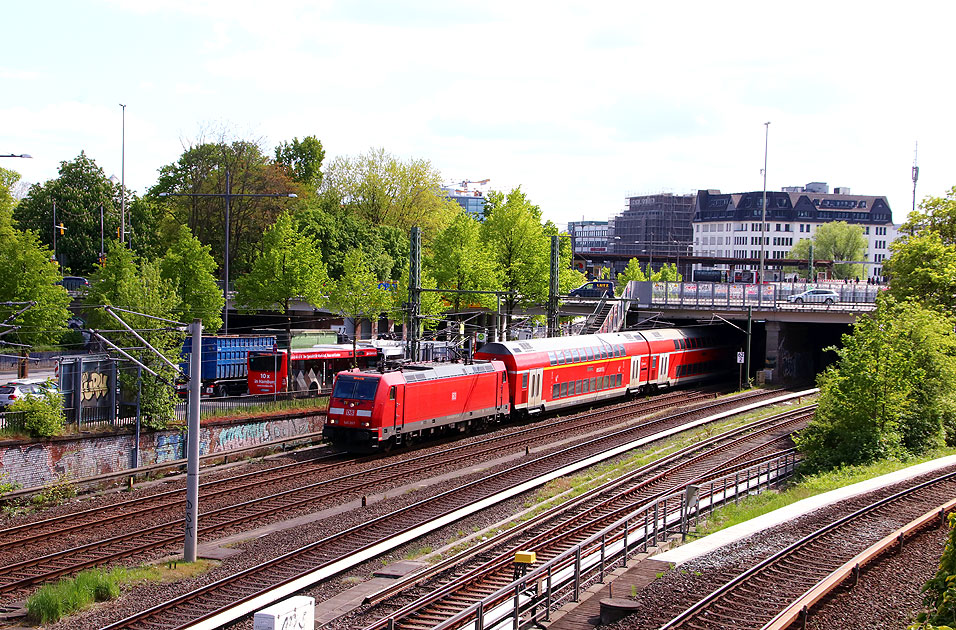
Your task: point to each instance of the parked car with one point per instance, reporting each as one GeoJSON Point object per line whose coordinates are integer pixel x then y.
{"type": "Point", "coordinates": [815, 296]}
{"type": "Point", "coordinates": [24, 388]}
{"type": "Point", "coordinates": [594, 289]}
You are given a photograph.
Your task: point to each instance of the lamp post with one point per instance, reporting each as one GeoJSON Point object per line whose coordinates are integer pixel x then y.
{"type": "Point", "coordinates": [123, 180]}
{"type": "Point", "coordinates": [16, 155]}
{"type": "Point", "coordinates": [228, 195]}
{"type": "Point", "coordinates": [763, 220]}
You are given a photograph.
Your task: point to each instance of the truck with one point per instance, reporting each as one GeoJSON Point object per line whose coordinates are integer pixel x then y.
{"type": "Point", "coordinates": [224, 362]}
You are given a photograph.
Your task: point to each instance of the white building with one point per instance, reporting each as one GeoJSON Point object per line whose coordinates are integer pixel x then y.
{"type": "Point", "coordinates": [729, 225]}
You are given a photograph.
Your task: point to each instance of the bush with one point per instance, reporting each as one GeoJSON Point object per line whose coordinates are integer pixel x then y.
{"type": "Point", "coordinates": [41, 416]}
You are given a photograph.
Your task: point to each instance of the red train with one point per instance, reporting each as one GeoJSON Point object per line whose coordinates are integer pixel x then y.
{"type": "Point", "coordinates": [370, 409]}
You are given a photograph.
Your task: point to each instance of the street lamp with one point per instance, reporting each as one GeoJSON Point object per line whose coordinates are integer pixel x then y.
{"type": "Point", "coordinates": [123, 179]}
{"type": "Point", "coordinates": [763, 220]}
{"type": "Point", "coordinates": [228, 196]}
{"type": "Point", "coordinates": [16, 155]}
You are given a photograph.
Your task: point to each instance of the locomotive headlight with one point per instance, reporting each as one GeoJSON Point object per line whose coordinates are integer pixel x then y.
{"type": "Point", "coordinates": [331, 421]}
{"type": "Point", "coordinates": [365, 424]}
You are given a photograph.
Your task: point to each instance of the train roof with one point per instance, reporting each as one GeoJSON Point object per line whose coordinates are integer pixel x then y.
{"type": "Point", "coordinates": [417, 372]}
{"type": "Point", "coordinates": [579, 341]}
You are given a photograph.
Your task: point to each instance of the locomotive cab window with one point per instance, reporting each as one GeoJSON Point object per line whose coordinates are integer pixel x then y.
{"type": "Point", "coordinates": [524, 381]}
{"type": "Point", "coordinates": [355, 388]}
{"type": "Point", "coordinates": [391, 393]}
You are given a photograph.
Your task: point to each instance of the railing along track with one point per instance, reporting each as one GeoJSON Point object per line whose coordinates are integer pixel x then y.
{"type": "Point", "coordinates": [799, 567]}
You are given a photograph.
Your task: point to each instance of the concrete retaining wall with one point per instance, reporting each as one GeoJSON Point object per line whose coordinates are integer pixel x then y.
{"type": "Point", "coordinates": [37, 463]}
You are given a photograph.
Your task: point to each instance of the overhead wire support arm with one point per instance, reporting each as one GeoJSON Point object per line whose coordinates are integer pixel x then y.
{"type": "Point", "coordinates": [127, 355]}
{"type": "Point", "coordinates": [146, 343]}
{"type": "Point", "coordinates": [179, 325]}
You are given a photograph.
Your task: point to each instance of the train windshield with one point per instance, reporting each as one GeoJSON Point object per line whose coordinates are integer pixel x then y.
{"type": "Point", "coordinates": [355, 388]}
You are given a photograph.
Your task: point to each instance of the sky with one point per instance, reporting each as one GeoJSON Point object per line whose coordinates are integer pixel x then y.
{"type": "Point", "coordinates": [579, 104]}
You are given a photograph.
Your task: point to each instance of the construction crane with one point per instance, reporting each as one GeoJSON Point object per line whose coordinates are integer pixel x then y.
{"type": "Point", "coordinates": [480, 182]}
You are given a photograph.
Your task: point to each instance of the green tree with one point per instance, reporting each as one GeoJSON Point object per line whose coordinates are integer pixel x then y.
{"type": "Point", "coordinates": [513, 233]}
{"type": "Point", "coordinates": [40, 416]}
{"type": "Point", "coordinates": [667, 273]}
{"type": "Point", "coordinates": [632, 272]}
{"type": "Point", "coordinates": [8, 179]}
{"type": "Point", "coordinates": [891, 392]}
{"type": "Point", "coordinates": [136, 284]}
{"type": "Point", "coordinates": [78, 193]}
{"type": "Point", "coordinates": [189, 267]}
{"type": "Point", "coordinates": [356, 294]}
{"type": "Point", "coordinates": [836, 240]}
{"type": "Point", "coordinates": [383, 190]}
{"type": "Point", "coordinates": [303, 160]}
{"type": "Point", "coordinates": [201, 170]}
{"type": "Point", "coordinates": [923, 267]}
{"type": "Point", "coordinates": [385, 246]}
{"type": "Point", "coordinates": [288, 268]}
{"type": "Point", "coordinates": [460, 261]}
{"type": "Point", "coordinates": [30, 276]}
{"type": "Point", "coordinates": [935, 214]}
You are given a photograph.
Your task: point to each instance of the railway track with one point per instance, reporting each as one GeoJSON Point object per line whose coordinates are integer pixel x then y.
{"type": "Point", "coordinates": [214, 603]}
{"type": "Point", "coordinates": [753, 598]}
{"type": "Point", "coordinates": [138, 539]}
{"type": "Point", "coordinates": [470, 578]}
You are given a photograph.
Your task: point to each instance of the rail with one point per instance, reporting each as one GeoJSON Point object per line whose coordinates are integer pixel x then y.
{"type": "Point", "coordinates": [528, 601]}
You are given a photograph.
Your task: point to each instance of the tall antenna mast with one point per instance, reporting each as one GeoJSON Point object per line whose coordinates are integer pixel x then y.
{"type": "Point", "coordinates": [915, 173]}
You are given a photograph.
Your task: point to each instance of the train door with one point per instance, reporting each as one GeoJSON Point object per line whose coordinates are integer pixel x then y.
{"type": "Point", "coordinates": [662, 369]}
{"type": "Point", "coordinates": [396, 394]}
{"type": "Point", "coordinates": [635, 379]}
{"type": "Point", "coordinates": [535, 378]}
{"type": "Point", "coordinates": [652, 370]}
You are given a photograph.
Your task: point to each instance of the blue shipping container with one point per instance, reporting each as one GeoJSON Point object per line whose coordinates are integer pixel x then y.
{"type": "Point", "coordinates": [224, 357]}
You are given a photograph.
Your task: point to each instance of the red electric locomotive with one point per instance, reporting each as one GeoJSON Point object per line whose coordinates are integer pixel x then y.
{"type": "Point", "coordinates": [368, 410]}
{"type": "Point", "coordinates": [545, 374]}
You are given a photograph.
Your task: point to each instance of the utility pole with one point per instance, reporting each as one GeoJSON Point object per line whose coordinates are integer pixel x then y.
{"type": "Point", "coordinates": [915, 174]}
{"type": "Point", "coordinates": [553, 330]}
{"type": "Point", "coordinates": [414, 291]}
{"type": "Point", "coordinates": [192, 445]}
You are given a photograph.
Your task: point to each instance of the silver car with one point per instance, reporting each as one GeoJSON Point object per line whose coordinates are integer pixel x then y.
{"type": "Point", "coordinates": [815, 296]}
{"type": "Point", "coordinates": [24, 388]}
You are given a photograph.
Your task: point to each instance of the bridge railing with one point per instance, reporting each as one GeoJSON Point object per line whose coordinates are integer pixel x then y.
{"type": "Point", "coordinates": [737, 295]}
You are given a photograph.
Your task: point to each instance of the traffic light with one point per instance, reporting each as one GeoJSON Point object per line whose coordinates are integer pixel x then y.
{"type": "Point", "coordinates": [117, 232]}
{"type": "Point", "coordinates": [61, 227]}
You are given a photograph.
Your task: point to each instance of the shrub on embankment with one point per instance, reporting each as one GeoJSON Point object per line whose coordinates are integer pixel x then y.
{"type": "Point", "coordinates": [892, 392]}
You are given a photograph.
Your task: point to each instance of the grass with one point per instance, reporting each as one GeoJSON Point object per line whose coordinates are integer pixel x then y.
{"type": "Point", "coordinates": [760, 504]}
{"type": "Point", "coordinates": [268, 408]}
{"type": "Point", "coordinates": [71, 595]}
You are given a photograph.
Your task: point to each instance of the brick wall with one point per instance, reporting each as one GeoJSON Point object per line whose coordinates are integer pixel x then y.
{"type": "Point", "coordinates": [37, 463]}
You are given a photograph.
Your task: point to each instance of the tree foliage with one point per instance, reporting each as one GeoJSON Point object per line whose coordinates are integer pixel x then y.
{"type": "Point", "coordinates": [356, 294]}
{"type": "Point", "coordinates": [136, 284]}
{"type": "Point", "coordinates": [8, 179]}
{"type": "Point", "coordinates": [40, 416]}
{"type": "Point", "coordinates": [289, 268]}
{"type": "Point", "coordinates": [935, 214]}
{"type": "Point", "coordinates": [460, 261]}
{"type": "Point", "coordinates": [385, 246]}
{"type": "Point", "coordinates": [923, 267]}
{"type": "Point", "coordinates": [30, 276]}
{"type": "Point", "coordinates": [891, 392]}
{"type": "Point", "coordinates": [303, 160]}
{"type": "Point", "coordinates": [189, 267]}
{"type": "Point", "coordinates": [837, 240]}
{"type": "Point", "coordinates": [513, 233]}
{"type": "Point", "coordinates": [78, 193]}
{"type": "Point", "coordinates": [632, 272]}
{"type": "Point", "coordinates": [381, 189]}
{"type": "Point", "coordinates": [201, 170]}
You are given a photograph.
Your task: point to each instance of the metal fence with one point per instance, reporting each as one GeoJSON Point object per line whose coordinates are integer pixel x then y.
{"type": "Point", "coordinates": [723, 295]}
{"type": "Point", "coordinates": [127, 412]}
{"type": "Point", "coordinates": [528, 601]}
